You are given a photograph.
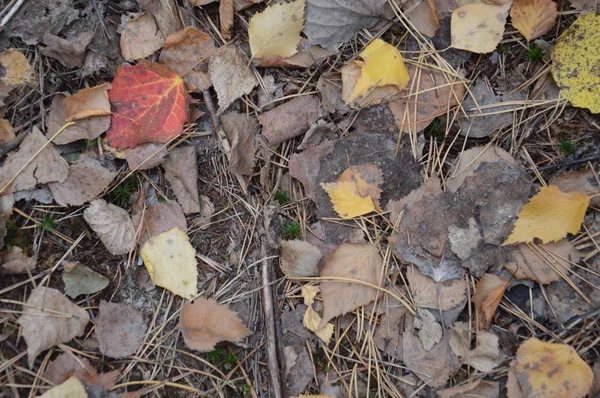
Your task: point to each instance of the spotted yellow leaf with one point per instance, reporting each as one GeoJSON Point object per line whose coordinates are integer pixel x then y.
{"type": "Point", "coordinates": [549, 216]}
{"type": "Point", "coordinates": [383, 65]}
{"type": "Point", "coordinates": [575, 61]}
{"type": "Point", "coordinates": [543, 369]}
{"type": "Point", "coordinates": [478, 27]}
{"type": "Point", "coordinates": [533, 18]}
{"type": "Point", "coordinates": [276, 30]}
{"type": "Point", "coordinates": [171, 262]}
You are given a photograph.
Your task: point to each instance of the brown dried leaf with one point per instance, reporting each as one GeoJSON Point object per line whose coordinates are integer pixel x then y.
{"type": "Point", "coordinates": [87, 179]}
{"type": "Point", "coordinates": [15, 261]}
{"type": "Point", "coordinates": [181, 170]}
{"type": "Point", "coordinates": [145, 156]}
{"type": "Point", "coordinates": [69, 52]}
{"type": "Point", "coordinates": [430, 187]}
{"type": "Point", "coordinates": [330, 88]}
{"type": "Point", "coordinates": [388, 335]}
{"type": "Point", "coordinates": [112, 224]}
{"type": "Point", "coordinates": [484, 357]}
{"type": "Point", "coordinates": [141, 37]}
{"type": "Point", "coordinates": [88, 102]}
{"type": "Point", "coordinates": [67, 364]}
{"type": "Point", "coordinates": [540, 262]}
{"type": "Point", "coordinates": [241, 131]}
{"type": "Point", "coordinates": [533, 18]}
{"type": "Point", "coordinates": [88, 129]}
{"type": "Point", "coordinates": [475, 388]}
{"type": "Point", "coordinates": [440, 296]}
{"type": "Point", "coordinates": [299, 258]}
{"type": "Point", "coordinates": [231, 75]}
{"type": "Point", "coordinates": [289, 120]}
{"type": "Point", "coordinates": [204, 323]}
{"type": "Point", "coordinates": [488, 293]}
{"type": "Point", "coordinates": [423, 15]}
{"type": "Point", "coordinates": [158, 218]}
{"type": "Point", "coordinates": [306, 56]}
{"type": "Point", "coordinates": [42, 328]}
{"type": "Point", "coordinates": [355, 261]}
{"type": "Point", "coordinates": [187, 52]}
{"type": "Point", "coordinates": [120, 329]}
{"type": "Point", "coordinates": [305, 166]}
{"type": "Point", "coordinates": [226, 18]}
{"type": "Point", "coordinates": [579, 181]}
{"type": "Point", "coordinates": [47, 167]}
{"type": "Point", "coordinates": [7, 133]}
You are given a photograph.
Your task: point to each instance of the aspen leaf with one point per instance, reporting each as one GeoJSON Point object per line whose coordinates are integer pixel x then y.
{"type": "Point", "coordinates": [484, 357]}
{"type": "Point", "coordinates": [543, 369]}
{"type": "Point", "coordinates": [549, 216]}
{"type": "Point", "coordinates": [356, 191]}
{"type": "Point", "coordinates": [276, 30]}
{"type": "Point", "coordinates": [478, 27]}
{"type": "Point", "coordinates": [72, 388]}
{"type": "Point", "coordinates": [360, 262]}
{"type": "Point", "coordinates": [141, 37]}
{"type": "Point", "coordinates": [533, 18]}
{"type": "Point", "coordinates": [88, 102]}
{"type": "Point", "coordinates": [120, 329]}
{"type": "Point", "coordinates": [575, 61]}
{"type": "Point", "coordinates": [488, 293]}
{"type": "Point", "coordinates": [204, 323]}
{"type": "Point", "coordinates": [383, 65]}
{"type": "Point", "coordinates": [299, 258]}
{"type": "Point", "coordinates": [112, 224]}
{"type": "Point", "coordinates": [311, 319]}
{"type": "Point", "coordinates": [171, 262]}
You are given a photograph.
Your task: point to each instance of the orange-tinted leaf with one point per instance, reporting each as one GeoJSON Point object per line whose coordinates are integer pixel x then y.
{"type": "Point", "coordinates": [488, 293]}
{"type": "Point", "coordinates": [150, 105]}
{"type": "Point", "coordinates": [533, 18]}
{"type": "Point", "coordinates": [88, 102]}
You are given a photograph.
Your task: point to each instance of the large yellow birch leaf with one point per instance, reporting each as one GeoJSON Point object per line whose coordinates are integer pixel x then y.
{"type": "Point", "coordinates": [549, 216]}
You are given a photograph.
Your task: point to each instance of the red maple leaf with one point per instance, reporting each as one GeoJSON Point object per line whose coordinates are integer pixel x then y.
{"type": "Point", "coordinates": [150, 104]}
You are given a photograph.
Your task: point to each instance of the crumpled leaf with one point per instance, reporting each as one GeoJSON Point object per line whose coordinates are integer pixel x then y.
{"type": "Point", "coordinates": [356, 191]}
{"type": "Point", "coordinates": [79, 280]}
{"type": "Point", "coordinates": [354, 261]}
{"type": "Point", "coordinates": [72, 388]}
{"type": "Point", "coordinates": [299, 258]}
{"type": "Point", "coordinates": [171, 261]}
{"type": "Point", "coordinates": [34, 19]}
{"type": "Point", "coordinates": [120, 329]}
{"type": "Point", "coordinates": [13, 260]}
{"type": "Point", "coordinates": [533, 18]}
{"type": "Point", "coordinates": [241, 131]}
{"type": "Point", "coordinates": [478, 27]}
{"type": "Point", "coordinates": [141, 37]}
{"type": "Point", "coordinates": [87, 179]}
{"type": "Point", "coordinates": [88, 102]}
{"type": "Point", "coordinates": [16, 69]}
{"type": "Point", "coordinates": [87, 129]}
{"type": "Point", "coordinates": [67, 364]}
{"type": "Point", "coordinates": [276, 30]}
{"type": "Point", "coordinates": [430, 332]}
{"type": "Point", "coordinates": [311, 319]}
{"type": "Point", "coordinates": [150, 105]}
{"type": "Point", "coordinates": [575, 60]}
{"type": "Point", "coordinates": [112, 224]}
{"type": "Point", "coordinates": [549, 216]}
{"type": "Point", "coordinates": [484, 357]}
{"type": "Point", "coordinates": [181, 170]}
{"type": "Point", "coordinates": [42, 329]}
{"type": "Point", "coordinates": [439, 296]}
{"type": "Point", "coordinates": [306, 57]}
{"type": "Point", "coordinates": [186, 52]}
{"type": "Point", "coordinates": [488, 294]}
{"type": "Point", "coordinates": [540, 263]}
{"type": "Point", "coordinates": [329, 24]}
{"type": "Point", "coordinates": [204, 323]}
{"type": "Point", "coordinates": [383, 65]}
{"type": "Point", "coordinates": [70, 52]}
{"type": "Point", "coordinates": [548, 370]}
{"type": "Point", "coordinates": [48, 165]}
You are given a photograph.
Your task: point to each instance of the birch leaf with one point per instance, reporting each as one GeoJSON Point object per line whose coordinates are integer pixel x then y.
{"type": "Point", "coordinates": [533, 18]}
{"type": "Point", "coordinates": [478, 27]}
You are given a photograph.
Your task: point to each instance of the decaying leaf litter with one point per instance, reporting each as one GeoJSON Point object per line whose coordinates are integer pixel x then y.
{"type": "Point", "coordinates": [247, 198]}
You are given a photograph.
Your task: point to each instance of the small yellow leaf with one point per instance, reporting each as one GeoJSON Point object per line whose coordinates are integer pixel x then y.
{"type": "Point", "coordinates": [543, 369]}
{"type": "Point", "coordinates": [72, 388]}
{"type": "Point", "coordinates": [533, 18]}
{"type": "Point", "coordinates": [549, 216]}
{"type": "Point", "coordinates": [575, 60]}
{"type": "Point", "coordinates": [478, 27]}
{"type": "Point", "coordinates": [311, 319]}
{"type": "Point", "coordinates": [276, 30]}
{"type": "Point", "coordinates": [383, 66]}
{"type": "Point", "coordinates": [171, 262]}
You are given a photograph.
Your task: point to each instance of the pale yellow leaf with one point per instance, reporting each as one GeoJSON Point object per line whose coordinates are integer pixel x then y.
{"type": "Point", "coordinates": [478, 27]}
{"type": "Point", "coordinates": [383, 66]}
{"type": "Point", "coordinates": [72, 388]}
{"type": "Point", "coordinates": [543, 369]}
{"type": "Point", "coordinates": [549, 216]}
{"type": "Point", "coordinates": [276, 30]}
{"type": "Point", "coordinates": [311, 319]}
{"type": "Point", "coordinates": [171, 262]}
{"type": "Point", "coordinates": [533, 18]}
{"type": "Point", "coordinates": [575, 60]}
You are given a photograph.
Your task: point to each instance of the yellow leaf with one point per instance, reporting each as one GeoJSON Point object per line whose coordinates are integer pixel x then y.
{"type": "Point", "coordinates": [311, 319]}
{"type": "Point", "coordinates": [383, 66]}
{"type": "Point", "coordinates": [533, 18]}
{"type": "Point", "coordinates": [575, 61]}
{"type": "Point", "coordinates": [171, 262]}
{"type": "Point", "coordinates": [356, 191]}
{"type": "Point", "coordinates": [276, 30]}
{"type": "Point", "coordinates": [543, 369]}
{"type": "Point", "coordinates": [549, 216]}
{"type": "Point", "coordinates": [478, 27]}
{"type": "Point", "coordinates": [72, 388]}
